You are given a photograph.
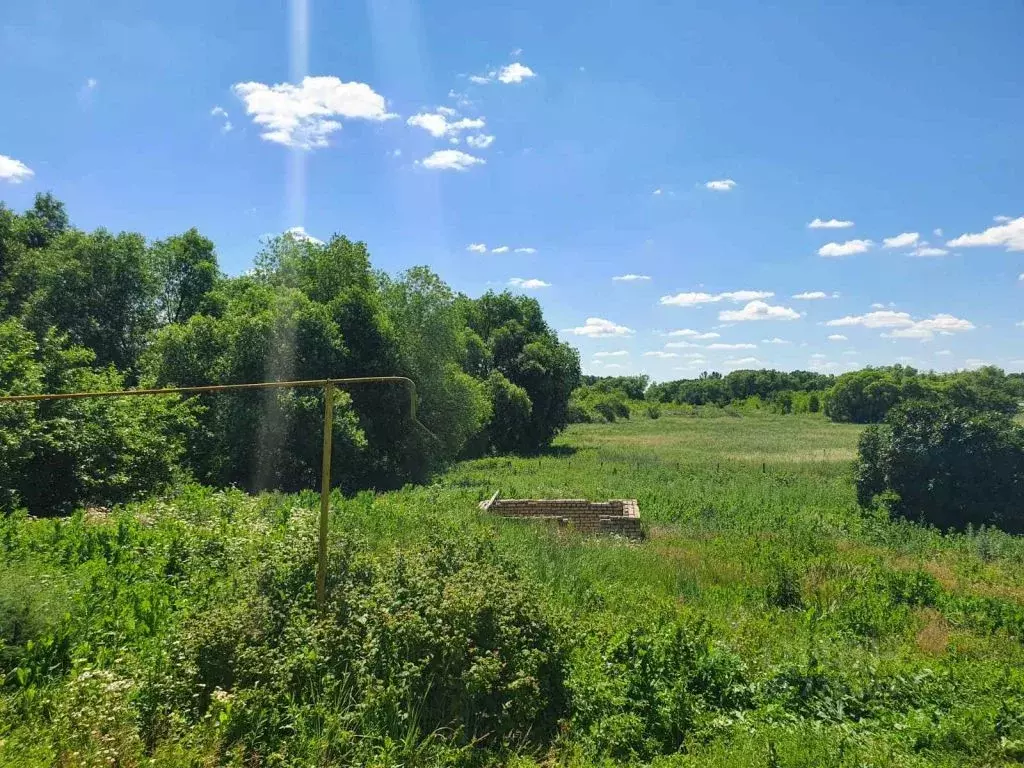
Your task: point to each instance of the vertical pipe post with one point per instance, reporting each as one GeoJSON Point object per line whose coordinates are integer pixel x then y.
{"type": "Point", "coordinates": [325, 494]}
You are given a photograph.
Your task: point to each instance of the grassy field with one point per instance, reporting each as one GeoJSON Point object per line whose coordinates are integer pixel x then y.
{"type": "Point", "coordinates": [766, 620]}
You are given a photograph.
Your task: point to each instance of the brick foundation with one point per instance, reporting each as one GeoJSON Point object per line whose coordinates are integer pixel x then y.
{"type": "Point", "coordinates": [619, 516]}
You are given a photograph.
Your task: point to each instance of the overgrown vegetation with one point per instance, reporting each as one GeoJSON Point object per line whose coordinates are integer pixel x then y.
{"type": "Point", "coordinates": [765, 621]}
{"type": "Point", "coordinates": [83, 311]}
{"type": "Point", "coordinates": [950, 467]}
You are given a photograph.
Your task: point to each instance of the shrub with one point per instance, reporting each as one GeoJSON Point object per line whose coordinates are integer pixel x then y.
{"type": "Point", "coordinates": [947, 467]}
{"type": "Point", "coordinates": [59, 453]}
{"type": "Point", "coordinates": [506, 430]}
{"type": "Point", "coordinates": [654, 411]}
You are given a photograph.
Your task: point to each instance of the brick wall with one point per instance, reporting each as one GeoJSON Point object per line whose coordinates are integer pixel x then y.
{"type": "Point", "coordinates": [619, 516]}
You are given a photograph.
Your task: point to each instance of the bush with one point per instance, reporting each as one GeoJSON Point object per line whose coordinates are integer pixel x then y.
{"type": "Point", "coordinates": [947, 467]}
{"type": "Point", "coordinates": [507, 429]}
{"type": "Point", "coordinates": [654, 411]}
{"type": "Point", "coordinates": [56, 454]}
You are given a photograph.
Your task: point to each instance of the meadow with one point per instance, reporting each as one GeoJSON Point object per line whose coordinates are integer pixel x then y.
{"type": "Point", "coordinates": [766, 620]}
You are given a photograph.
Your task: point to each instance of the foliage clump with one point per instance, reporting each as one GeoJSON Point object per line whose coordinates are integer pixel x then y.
{"type": "Point", "coordinates": [948, 467]}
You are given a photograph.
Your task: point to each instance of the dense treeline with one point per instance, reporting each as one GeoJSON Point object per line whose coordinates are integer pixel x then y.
{"type": "Point", "coordinates": [94, 310]}
{"type": "Point", "coordinates": [777, 388]}
{"type": "Point", "coordinates": [867, 396]}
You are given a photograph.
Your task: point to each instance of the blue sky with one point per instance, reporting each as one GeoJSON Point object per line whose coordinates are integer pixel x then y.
{"type": "Point", "coordinates": [609, 122]}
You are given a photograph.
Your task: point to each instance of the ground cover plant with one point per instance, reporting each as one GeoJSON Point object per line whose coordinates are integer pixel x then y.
{"type": "Point", "coordinates": [766, 620]}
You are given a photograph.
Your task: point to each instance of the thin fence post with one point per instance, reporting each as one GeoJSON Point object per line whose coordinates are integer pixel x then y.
{"type": "Point", "coordinates": [325, 495]}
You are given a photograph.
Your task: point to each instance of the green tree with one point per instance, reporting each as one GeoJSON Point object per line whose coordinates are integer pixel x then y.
{"type": "Point", "coordinates": [185, 270]}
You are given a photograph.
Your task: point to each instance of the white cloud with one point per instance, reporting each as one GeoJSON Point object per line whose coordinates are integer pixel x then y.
{"type": "Point", "coordinates": [741, 361]}
{"type": "Point", "coordinates": [758, 310]}
{"type": "Point", "coordinates": [682, 345]}
{"type": "Point", "coordinates": [937, 231]}
{"type": "Point", "coordinates": [500, 249]}
{"type": "Point", "coordinates": [719, 345]}
{"type": "Point", "coordinates": [660, 354]}
{"type": "Point", "coordinates": [300, 233]}
{"type": "Point", "coordinates": [974, 363]}
{"type": "Point", "coordinates": [1001, 219]}
{"type": "Point", "coordinates": [884, 318]}
{"type": "Point", "coordinates": [91, 83]}
{"type": "Point", "coordinates": [221, 112]}
{"type": "Point", "coordinates": [526, 249]}
{"type": "Point", "coordinates": [630, 278]}
{"type": "Point", "coordinates": [477, 248]}
{"type": "Point", "coordinates": [904, 326]}
{"type": "Point", "coordinates": [837, 337]}
{"type": "Point", "coordinates": [708, 335]}
{"type": "Point", "coordinates": [481, 141]}
{"type": "Point", "coordinates": [528, 284]}
{"type": "Point", "coordinates": [903, 240]}
{"type": "Point", "coordinates": [1021, 278]}
{"type": "Point", "coordinates": [480, 79]}
{"type": "Point", "coordinates": [944, 352]}
{"type": "Point", "coordinates": [775, 340]}
{"type": "Point", "coordinates": [515, 73]}
{"type": "Point", "coordinates": [1009, 233]}
{"type": "Point", "coordinates": [849, 248]}
{"type": "Point", "coordinates": [683, 332]}
{"type": "Point", "coordinates": [813, 295]}
{"type": "Point", "coordinates": [925, 330]}
{"type": "Point", "coordinates": [657, 191]}
{"type": "Point", "coordinates": [451, 160]}
{"type": "Point", "coordinates": [438, 125]}
{"type": "Point", "coordinates": [720, 185]}
{"type": "Point", "coordinates": [696, 298]}
{"type": "Point", "coordinates": [830, 224]}
{"type": "Point", "coordinates": [14, 171]}
{"type": "Point", "coordinates": [616, 353]}
{"type": "Point", "coordinates": [924, 250]}
{"type": "Point", "coordinates": [694, 356]}
{"type": "Point", "coordinates": [597, 328]}
{"type": "Point", "coordinates": [818, 356]}
{"type": "Point", "coordinates": [448, 111]}
{"type": "Point", "coordinates": [610, 366]}
{"type": "Point", "coordinates": [305, 115]}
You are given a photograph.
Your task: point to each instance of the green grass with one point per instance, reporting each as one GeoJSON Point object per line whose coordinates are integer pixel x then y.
{"type": "Point", "coordinates": [764, 621]}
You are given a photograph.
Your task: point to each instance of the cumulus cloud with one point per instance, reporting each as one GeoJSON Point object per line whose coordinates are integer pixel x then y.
{"type": "Point", "coordinates": [515, 73]}
{"type": "Point", "coordinates": [1009, 233]}
{"type": "Point", "coordinates": [526, 249]}
{"type": "Point", "coordinates": [222, 113]}
{"type": "Point", "coordinates": [305, 115]}
{"type": "Point", "coordinates": [438, 125]}
{"type": "Point", "coordinates": [736, 362]}
{"type": "Point", "coordinates": [973, 363]}
{"type": "Point", "coordinates": [631, 278]}
{"type": "Point", "coordinates": [906, 327]}
{"type": "Point", "coordinates": [597, 327]}
{"type": "Point", "coordinates": [657, 191]}
{"type": "Point", "coordinates": [528, 284]}
{"type": "Point", "coordinates": [883, 318]}
{"type": "Point", "coordinates": [694, 299]}
{"type": "Point", "coordinates": [924, 250]}
{"type": "Point", "coordinates": [481, 141]}
{"type": "Point", "coordinates": [849, 248]}
{"type": "Point", "coordinates": [477, 248]}
{"type": "Point", "coordinates": [300, 233]}
{"type": "Point", "coordinates": [758, 310]}
{"type": "Point", "coordinates": [510, 74]}
{"type": "Point", "coordinates": [720, 346]}
{"type": "Point", "coordinates": [814, 295]}
{"type": "Point", "coordinates": [775, 340]}
{"type": "Point", "coordinates": [451, 160]}
{"type": "Point", "coordinates": [662, 355]}
{"type": "Point", "coordinates": [616, 353]}
{"type": "Point", "coordinates": [14, 171]}
{"type": "Point", "coordinates": [837, 337]}
{"type": "Point", "coordinates": [720, 185]}
{"type": "Point", "coordinates": [830, 224]}
{"type": "Point", "coordinates": [500, 249]}
{"type": "Point", "coordinates": [903, 240]}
